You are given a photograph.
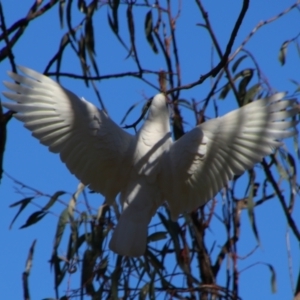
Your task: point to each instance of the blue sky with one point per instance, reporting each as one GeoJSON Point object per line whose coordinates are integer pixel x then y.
{"type": "Point", "coordinates": [31, 163]}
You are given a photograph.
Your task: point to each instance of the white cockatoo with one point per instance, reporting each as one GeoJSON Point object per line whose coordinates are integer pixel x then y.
{"type": "Point", "coordinates": [148, 168]}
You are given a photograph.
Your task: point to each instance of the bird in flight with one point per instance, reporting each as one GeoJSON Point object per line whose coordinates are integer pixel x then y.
{"type": "Point", "coordinates": [149, 168]}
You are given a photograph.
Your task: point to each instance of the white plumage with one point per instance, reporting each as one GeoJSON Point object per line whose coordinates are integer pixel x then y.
{"type": "Point", "coordinates": [149, 168]}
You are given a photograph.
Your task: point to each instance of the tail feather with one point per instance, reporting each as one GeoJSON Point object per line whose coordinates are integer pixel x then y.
{"type": "Point", "coordinates": [130, 235]}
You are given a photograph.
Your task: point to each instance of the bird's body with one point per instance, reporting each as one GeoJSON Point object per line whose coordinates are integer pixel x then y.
{"type": "Point", "coordinates": [148, 168]}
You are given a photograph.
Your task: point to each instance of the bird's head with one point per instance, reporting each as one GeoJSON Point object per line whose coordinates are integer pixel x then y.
{"type": "Point", "coordinates": [159, 107]}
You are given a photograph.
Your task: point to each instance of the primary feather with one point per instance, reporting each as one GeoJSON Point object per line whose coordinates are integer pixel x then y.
{"type": "Point", "coordinates": [148, 168]}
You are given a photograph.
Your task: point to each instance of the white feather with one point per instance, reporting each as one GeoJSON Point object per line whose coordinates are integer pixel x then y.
{"type": "Point", "coordinates": [148, 168]}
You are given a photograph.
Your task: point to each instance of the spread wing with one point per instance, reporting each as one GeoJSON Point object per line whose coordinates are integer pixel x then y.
{"type": "Point", "coordinates": [207, 157]}
{"type": "Point", "coordinates": [92, 146]}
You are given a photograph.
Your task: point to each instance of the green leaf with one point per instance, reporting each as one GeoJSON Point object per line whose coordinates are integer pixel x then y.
{"type": "Point", "coordinates": [129, 111]}
{"type": "Point", "coordinates": [87, 275]}
{"type": "Point", "coordinates": [61, 12]}
{"type": "Point", "coordinates": [34, 218]}
{"type": "Point", "coordinates": [82, 6]}
{"type": "Point", "coordinates": [157, 236]}
{"type": "Point", "coordinates": [115, 7]}
{"type": "Point", "coordinates": [227, 86]}
{"type": "Point", "coordinates": [251, 93]}
{"type": "Point", "coordinates": [82, 56]}
{"type": "Point", "coordinates": [185, 103]}
{"type": "Point", "coordinates": [237, 63]}
{"type": "Point", "coordinates": [90, 42]}
{"type": "Point", "coordinates": [89, 34]}
{"type": "Point", "coordinates": [158, 266]}
{"type": "Point", "coordinates": [225, 91]}
{"type": "Point", "coordinates": [144, 291]}
{"type": "Point", "coordinates": [149, 30]}
{"type": "Point", "coordinates": [283, 52]}
{"type": "Point", "coordinates": [61, 225]}
{"type": "Point", "coordinates": [251, 205]}
{"type": "Point", "coordinates": [53, 199]}
{"type": "Point", "coordinates": [247, 75]}
{"type": "Point", "coordinates": [282, 172]}
{"type": "Point", "coordinates": [30, 258]}
{"type": "Point", "coordinates": [115, 278]}
{"type": "Point", "coordinates": [69, 18]}
{"type": "Point", "coordinates": [102, 266]}
{"type": "Point", "coordinates": [24, 202]}
{"type": "Point", "coordinates": [273, 279]}
{"type": "Point", "coordinates": [130, 21]}
{"type": "Point", "coordinates": [59, 273]}
{"type": "Point", "coordinates": [112, 24]}
{"type": "Point", "coordinates": [296, 145]}
{"type": "Point", "coordinates": [173, 229]}
{"type": "Point", "coordinates": [27, 271]}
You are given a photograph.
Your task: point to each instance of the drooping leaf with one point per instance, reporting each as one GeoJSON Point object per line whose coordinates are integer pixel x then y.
{"type": "Point", "coordinates": [157, 236]}
{"type": "Point", "coordinates": [115, 6]}
{"type": "Point", "coordinates": [296, 145]}
{"type": "Point", "coordinates": [144, 291]}
{"type": "Point", "coordinates": [115, 278]}
{"type": "Point", "coordinates": [53, 199]}
{"type": "Point", "coordinates": [112, 25]}
{"type": "Point", "coordinates": [283, 52]}
{"type": "Point", "coordinates": [225, 91]}
{"type": "Point", "coordinates": [34, 218]}
{"type": "Point", "coordinates": [89, 35]}
{"type": "Point", "coordinates": [65, 40]}
{"type": "Point", "coordinates": [149, 31]}
{"type": "Point", "coordinates": [69, 18]}
{"type": "Point", "coordinates": [250, 206]}
{"type": "Point", "coordinates": [60, 228]}
{"type": "Point", "coordinates": [82, 55]}
{"type": "Point", "coordinates": [61, 12]}
{"type": "Point", "coordinates": [114, 29]}
{"type": "Point", "coordinates": [130, 23]}
{"type": "Point", "coordinates": [73, 248]}
{"type": "Point", "coordinates": [90, 42]}
{"type": "Point", "coordinates": [158, 266]}
{"type": "Point", "coordinates": [102, 267]}
{"type": "Point", "coordinates": [30, 257]}
{"type": "Point", "coordinates": [227, 87]}
{"type": "Point", "coordinates": [87, 274]}
{"type": "Point", "coordinates": [129, 111]}
{"type": "Point", "coordinates": [251, 93]}
{"type": "Point", "coordinates": [281, 170]}
{"type": "Point", "coordinates": [237, 63]}
{"type": "Point", "coordinates": [273, 279]}
{"type": "Point", "coordinates": [27, 271]}
{"type": "Point", "coordinates": [173, 229]}
{"type": "Point", "coordinates": [24, 202]}
{"type": "Point", "coordinates": [185, 103]}
{"type": "Point", "coordinates": [82, 6]}
{"type": "Point", "coordinates": [247, 75]}
{"type": "Point", "coordinates": [59, 273]}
